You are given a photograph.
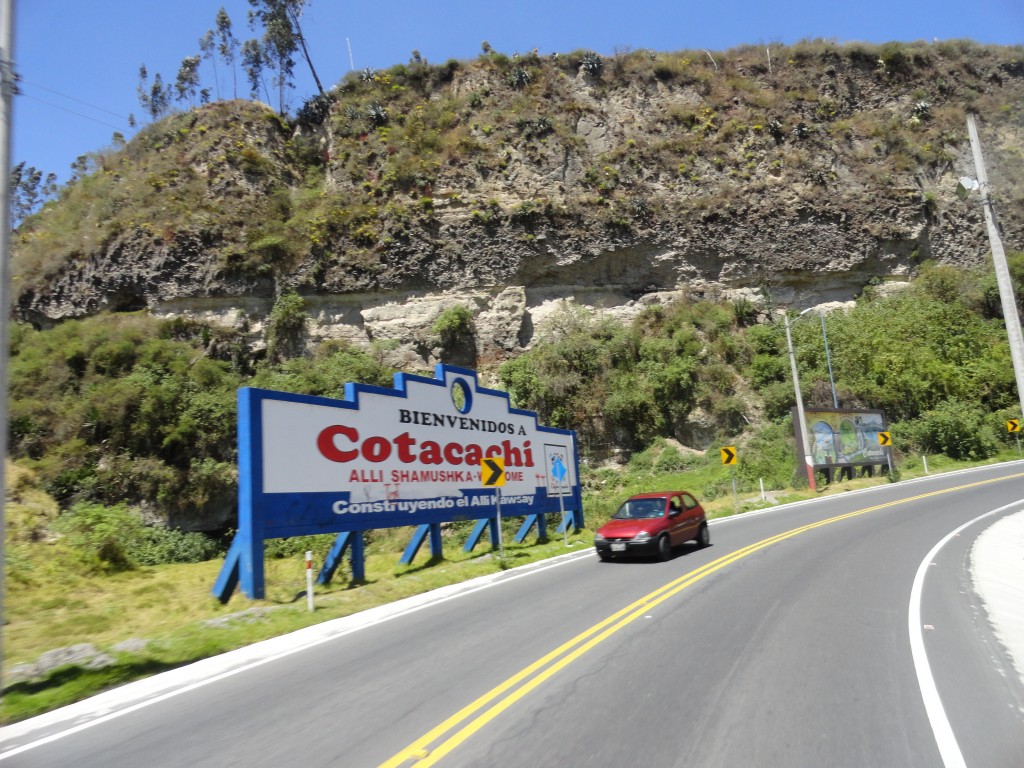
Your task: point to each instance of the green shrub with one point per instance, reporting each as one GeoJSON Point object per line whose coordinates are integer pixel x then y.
{"type": "Point", "coordinates": [767, 369]}
{"type": "Point", "coordinates": [519, 78]}
{"type": "Point", "coordinates": [454, 325]}
{"type": "Point", "coordinates": [326, 373]}
{"type": "Point", "coordinates": [162, 546]}
{"type": "Point", "coordinates": [377, 113]}
{"type": "Point", "coordinates": [535, 127]}
{"type": "Point", "coordinates": [286, 326]}
{"type": "Point", "coordinates": [642, 462]}
{"type": "Point", "coordinates": [895, 59]}
{"type": "Point", "coordinates": [281, 549]}
{"type": "Point", "coordinates": [669, 460]}
{"type": "Point", "coordinates": [314, 110]}
{"type": "Point", "coordinates": [103, 538]}
{"type": "Point", "coordinates": [631, 411]}
{"type": "Point", "coordinates": [114, 538]}
{"type": "Point", "coordinates": [592, 64]}
{"type": "Point", "coordinates": [957, 429]}
{"type": "Point", "coordinates": [252, 161]}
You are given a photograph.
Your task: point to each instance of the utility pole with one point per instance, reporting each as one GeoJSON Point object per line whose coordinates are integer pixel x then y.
{"type": "Point", "coordinates": [1006, 297]}
{"type": "Point", "coordinates": [6, 99]}
{"type": "Point", "coordinates": [801, 427]}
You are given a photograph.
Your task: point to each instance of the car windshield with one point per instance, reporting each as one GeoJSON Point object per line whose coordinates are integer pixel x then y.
{"type": "Point", "coordinates": [641, 508]}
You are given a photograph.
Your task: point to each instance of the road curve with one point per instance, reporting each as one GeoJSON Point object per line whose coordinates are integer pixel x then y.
{"type": "Point", "coordinates": [787, 642]}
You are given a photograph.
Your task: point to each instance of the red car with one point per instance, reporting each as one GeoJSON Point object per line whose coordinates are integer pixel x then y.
{"type": "Point", "coordinates": [652, 524]}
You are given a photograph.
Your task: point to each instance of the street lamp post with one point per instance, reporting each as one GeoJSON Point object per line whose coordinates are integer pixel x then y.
{"type": "Point", "coordinates": [802, 424]}
{"type": "Point", "coordinates": [828, 357]}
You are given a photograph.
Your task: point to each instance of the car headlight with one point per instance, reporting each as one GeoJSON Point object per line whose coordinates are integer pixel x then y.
{"type": "Point", "coordinates": [642, 536]}
{"type": "Point", "coordinates": [598, 538]}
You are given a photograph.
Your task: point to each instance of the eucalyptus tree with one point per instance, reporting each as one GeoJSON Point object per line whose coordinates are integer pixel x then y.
{"type": "Point", "coordinates": [253, 63]}
{"type": "Point", "coordinates": [282, 37]}
{"type": "Point", "coordinates": [227, 47]}
{"type": "Point", "coordinates": [187, 84]}
{"type": "Point", "coordinates": [155, 98]}
{"type": "Point", "coordinates": [207, 47]}
{"type": "Point", "coordinates": [29, 190]}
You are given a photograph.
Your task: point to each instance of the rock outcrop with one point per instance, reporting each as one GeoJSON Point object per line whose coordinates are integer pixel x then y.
{"type": "Point", "coordinates": [509, 186]}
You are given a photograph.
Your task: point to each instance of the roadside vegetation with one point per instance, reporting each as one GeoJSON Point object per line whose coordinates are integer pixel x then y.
{"type": "Point", "coordinates": [122, 437]}
{"type": "Point", "coordinates": [125, 409]}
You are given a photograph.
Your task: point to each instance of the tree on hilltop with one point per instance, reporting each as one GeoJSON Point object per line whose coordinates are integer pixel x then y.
{"type": "Point", "coordinates": [29, 191]}
{"type": "Point", "coordinates": [254, 62]}
{"type": "Point", "coordinates": [156, 98]}
{"type": "Point", "coordinates": [207, 46]}
{"type": "Point", "coordinates": [282, 37]}
{"type": "Point", "coordinates": [227, 47]}
{"type": "Point", "coordinates": [187, 84]}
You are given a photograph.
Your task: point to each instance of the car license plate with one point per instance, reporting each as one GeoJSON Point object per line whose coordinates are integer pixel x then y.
{"type": "Point", "coordinates": [618, 546]}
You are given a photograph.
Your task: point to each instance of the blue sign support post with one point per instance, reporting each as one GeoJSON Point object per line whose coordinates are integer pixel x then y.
{"type": "Point", "coordinates": [243, 565]}
{"type": "Point", "coordinates": [434, 529]}
{"type": "Point", "coordinates": [484, 524]}
{"type": "Point", "coordinates": [542, 528]}
{"type": "Point", "coordinates": [337, 552]}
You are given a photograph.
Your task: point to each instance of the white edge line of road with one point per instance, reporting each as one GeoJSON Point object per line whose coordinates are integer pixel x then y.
{"type": "Point", "coordinates": [131, 697]}
{"type": "Point", "coordinates": [949, 749]}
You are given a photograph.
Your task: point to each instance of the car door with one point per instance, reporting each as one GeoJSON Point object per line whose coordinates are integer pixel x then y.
{"type": "Point", "coordinates": [693, 514]}
{"type": "Point", "coordinates": [677, 520]}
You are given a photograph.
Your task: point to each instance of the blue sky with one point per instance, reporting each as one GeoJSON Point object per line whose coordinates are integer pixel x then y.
{"type": "Point", "coordinates": [79, 61]}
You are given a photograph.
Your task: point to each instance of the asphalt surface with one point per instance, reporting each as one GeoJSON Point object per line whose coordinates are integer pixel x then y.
{"type": "Point", "coordinates": [786, 643]}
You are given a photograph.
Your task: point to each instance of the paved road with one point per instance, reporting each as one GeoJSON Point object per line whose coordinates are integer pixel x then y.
{"type": "Point", "coordinates": [788, 642]}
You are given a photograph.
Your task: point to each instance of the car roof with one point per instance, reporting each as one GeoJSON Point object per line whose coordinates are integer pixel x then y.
{"type": "Point", "coordinates": [658, 494]}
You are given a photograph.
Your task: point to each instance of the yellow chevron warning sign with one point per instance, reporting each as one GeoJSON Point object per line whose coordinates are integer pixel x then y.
{"type": "Point", "coordinates": [492, 472]}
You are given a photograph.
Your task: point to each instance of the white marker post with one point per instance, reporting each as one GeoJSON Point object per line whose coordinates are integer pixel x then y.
{"type": "Point", "coordinates": [561, 512]}
{"type": "Point", "coordinates": [309, 580]}
{"type": "Point", "coordinates": [501, 540]}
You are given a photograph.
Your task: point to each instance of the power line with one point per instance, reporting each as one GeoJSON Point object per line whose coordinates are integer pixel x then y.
{"type": "Point", "coordinates": [79, 114]}
{"type": "Point", "coordinates": [72, 98]}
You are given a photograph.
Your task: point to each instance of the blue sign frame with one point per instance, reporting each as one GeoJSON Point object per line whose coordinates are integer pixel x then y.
{"type": "Point", "coordinates": [268, 514]}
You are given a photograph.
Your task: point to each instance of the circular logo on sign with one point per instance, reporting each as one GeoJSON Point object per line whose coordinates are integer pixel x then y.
{"type": "Point", "coordinates": [462, 396]}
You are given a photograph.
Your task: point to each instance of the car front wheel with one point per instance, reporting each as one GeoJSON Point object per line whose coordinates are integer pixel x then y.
{"type": "Point", "coordinates": [664, 547]}
{"type": "Point", "coordinates": [703, 536]}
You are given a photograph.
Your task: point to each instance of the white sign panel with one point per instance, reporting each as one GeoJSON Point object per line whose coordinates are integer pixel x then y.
{"type": "Point", "coordinates": [423, 440]}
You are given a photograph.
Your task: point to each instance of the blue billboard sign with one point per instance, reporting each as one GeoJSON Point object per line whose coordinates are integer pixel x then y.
{"type": "Point", "coordinates": [382, 458]}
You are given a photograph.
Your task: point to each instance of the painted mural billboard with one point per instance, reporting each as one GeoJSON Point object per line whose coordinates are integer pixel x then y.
{"type": "Point", "coordinates": [383, 458]}
{"type": "Point", "coordinates": [844, 437]}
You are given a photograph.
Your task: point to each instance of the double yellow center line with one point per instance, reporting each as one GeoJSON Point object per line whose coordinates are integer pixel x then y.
{"type": "Point", "coordinates": [487, 707]}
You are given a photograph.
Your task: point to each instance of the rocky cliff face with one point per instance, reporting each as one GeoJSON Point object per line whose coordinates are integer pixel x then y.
{"type": "Point", "coordinates": [509, 185]}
